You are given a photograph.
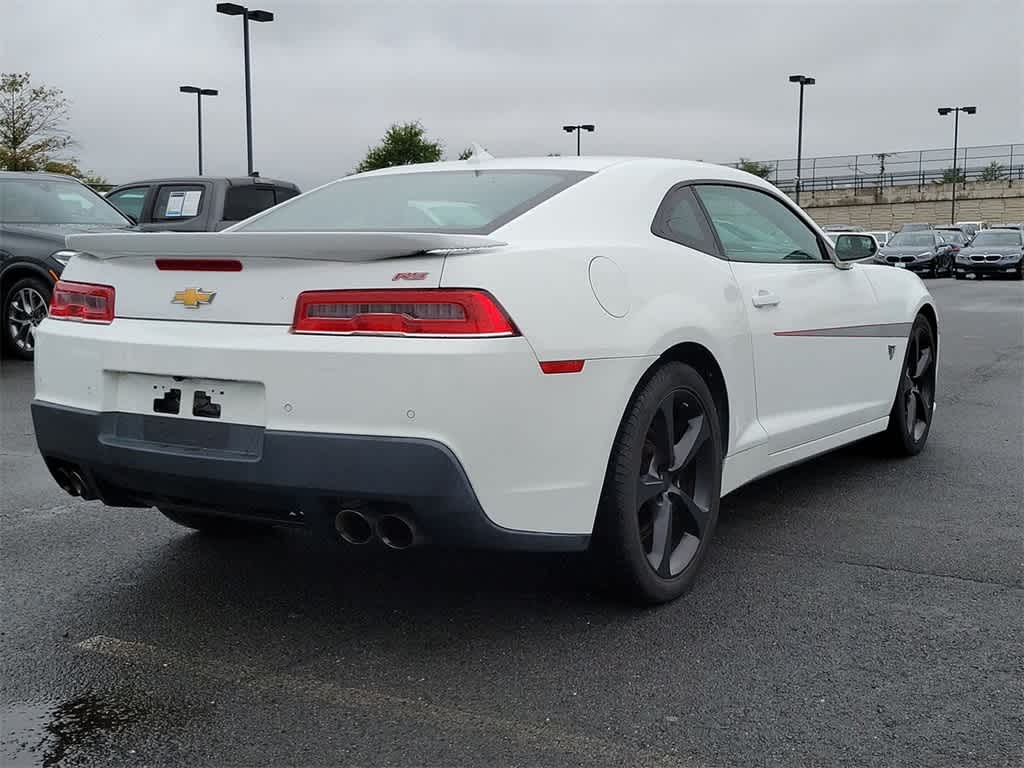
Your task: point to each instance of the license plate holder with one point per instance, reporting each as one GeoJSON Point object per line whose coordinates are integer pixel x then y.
{"type": "Point", "coordinates": [187, 397]}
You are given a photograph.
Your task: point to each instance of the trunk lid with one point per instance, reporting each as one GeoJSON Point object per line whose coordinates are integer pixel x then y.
{"type": "Point", "coordinates": [275, 269]}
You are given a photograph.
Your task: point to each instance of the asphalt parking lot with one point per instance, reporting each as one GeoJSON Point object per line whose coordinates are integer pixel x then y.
{"type": "Point", "coordinates": [853, 611]}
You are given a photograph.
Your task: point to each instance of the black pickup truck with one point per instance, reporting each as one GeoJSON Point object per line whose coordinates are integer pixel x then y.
{"type": "Point", "coordinates": [198, 203]}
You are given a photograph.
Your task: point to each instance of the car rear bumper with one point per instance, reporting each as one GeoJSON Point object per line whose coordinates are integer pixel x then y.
{"type": "Point", "coordinates": [532, 448]}
{"type": "Point", "coordinates": [290, 478]}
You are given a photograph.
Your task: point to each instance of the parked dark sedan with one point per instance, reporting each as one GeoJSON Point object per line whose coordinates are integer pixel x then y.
{"type": "Point", "coordinates": [922, 250]}
{"type": "Point", "coordinates": [36, 211]}
{"type": "Point", "coordinates": [198, 203]}
{"type": "Point", "coordinates": [993, 252]}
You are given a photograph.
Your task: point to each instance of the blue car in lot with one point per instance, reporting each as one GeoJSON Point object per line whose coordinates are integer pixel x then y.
{"type": "Point", "coordinates": [993, 252]}
{"type": "Point", "coordinates": [37, 210]}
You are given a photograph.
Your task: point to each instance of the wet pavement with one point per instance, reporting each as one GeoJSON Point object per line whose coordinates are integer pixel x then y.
{"type": "Point", "coordinates": [852, 611]}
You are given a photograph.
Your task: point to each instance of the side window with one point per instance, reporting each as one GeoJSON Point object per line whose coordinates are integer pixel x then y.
{"type": "Point", "coordinates": [681, 220]}
{"type": "Point", "coordinates": [284, 193]}
{"type": "Point", "coordinates": [177, 202]}
{"type": "Point", "coordinates": [754, 226]}
{"type": "Point", "coordinates": [243, 202]}
{"type": "Point", "coordinates": [129, 200]}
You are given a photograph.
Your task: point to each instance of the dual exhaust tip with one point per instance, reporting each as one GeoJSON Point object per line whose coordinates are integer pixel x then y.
{"type": "Point", "coordinates": [72, 482]}
{"type": "Point", "coordinates": [393, 531]}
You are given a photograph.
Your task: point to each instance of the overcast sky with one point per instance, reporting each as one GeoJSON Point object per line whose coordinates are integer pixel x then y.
{"type": "Point", "coordinates": [699, 80]}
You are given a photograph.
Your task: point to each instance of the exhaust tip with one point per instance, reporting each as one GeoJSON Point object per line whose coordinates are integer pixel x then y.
{"type": "Point", "coordinates": [395, 532]}
{"type": "Point", "coordinates": [353, 526]}
{"type": "Point", "coordinates": [77, 483]}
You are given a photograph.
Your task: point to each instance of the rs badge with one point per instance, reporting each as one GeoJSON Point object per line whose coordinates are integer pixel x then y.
{"type": "Point", "coordinates": [193, 298]}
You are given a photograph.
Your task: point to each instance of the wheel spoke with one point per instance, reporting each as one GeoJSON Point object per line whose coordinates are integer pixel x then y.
{"type": "Point", "coordinates": [924, 362]}
{"type": "Point", "coordinates": [921, 404]}
{"type": "Point", "coordinates": [913, 352]}
{"type": "Point", "coordinates": [649, 485]}
{"type": "Point", "coordinates": [693, 510]}
{"type": "Point", "coordinates": [911, 412]}
{"type": "Point", "coordinates": [666, 437]}
{"type": "Point", "coordinates": [697, 433]}
{"type": "Point", "coordinates": [661, 537]}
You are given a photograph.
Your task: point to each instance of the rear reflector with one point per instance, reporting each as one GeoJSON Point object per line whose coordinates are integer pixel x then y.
{"type": "Point", "coordinates": [83, 302]}
{"type": "Point", "coordinates": [199, 265]}
{"type": "Point", "coordinates": [403, 312]}
{"type": "Point", "coordinates": [562, 366]}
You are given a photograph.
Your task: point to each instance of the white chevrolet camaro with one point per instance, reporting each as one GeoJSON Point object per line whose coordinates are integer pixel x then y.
{"type": "Point", "coordinates": [532, 354]}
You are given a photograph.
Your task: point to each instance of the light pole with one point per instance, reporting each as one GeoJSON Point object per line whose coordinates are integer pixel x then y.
{"type": "Point", "coordinates": [231, 9]}
{"type": "Point", "coordinates": [199, 92]}
{"type": "Point", "coordinates": [803, 80]}
{"type": "Point", "coordinates": [956, 136]}
{"type": "Point", "coordinates": [578, 129]}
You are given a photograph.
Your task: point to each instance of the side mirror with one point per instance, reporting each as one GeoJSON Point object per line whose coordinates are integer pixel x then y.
{"type": "Point", "coordinates": [854, 247]}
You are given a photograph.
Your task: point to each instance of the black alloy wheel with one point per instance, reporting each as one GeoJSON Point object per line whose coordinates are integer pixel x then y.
{"type": "Point", "coordinates": [910, 419]}
{"type": "Point", "coordinates": [672, 494]}
{"type": "Point", "coordinates": [26, 305]}
{"type": "Point", "coordinates": [661, 497]}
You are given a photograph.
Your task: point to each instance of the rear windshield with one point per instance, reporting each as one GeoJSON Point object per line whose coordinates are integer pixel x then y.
{"type": "Point", "coordinates": [994, 238]}
{"type": "Point", "coordinates": [472, 202]}
{"type": "Point", "coordinates": [913, 239]}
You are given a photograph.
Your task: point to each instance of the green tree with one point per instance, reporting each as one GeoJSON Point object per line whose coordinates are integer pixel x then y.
{"type": "Point", "coordinates": [70, 168]}
{"type": "Point", "coordinates": [466, 153]}
{"type": "Point", "coordinates": [949, 176]}
{"type": "Point", "coordinates": [764, 170]}
{"type": "Point", "coordinates": [994, 171]}
{"type": "Point", "coordinates": [32, 122]}
{"type": "Point", "coordinates": [403, 144]}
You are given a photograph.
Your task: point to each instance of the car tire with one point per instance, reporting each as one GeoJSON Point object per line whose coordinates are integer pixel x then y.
{"type": "Point", "coordinates": [958, 276]}
{"type": "Point", "coordinates": [910, 418]}
{"type": "Point", "coordinates": [212, 524]}
{"type": "Point", "coordinates": [659, 505]}
{"type": "Point", "coordinates": [25, 305]}
{"type": "Point", "coordinates": [1019, 275]}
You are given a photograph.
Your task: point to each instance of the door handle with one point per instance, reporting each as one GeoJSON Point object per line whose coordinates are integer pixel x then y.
{"type": "Point", "coordinates": [763, 298]}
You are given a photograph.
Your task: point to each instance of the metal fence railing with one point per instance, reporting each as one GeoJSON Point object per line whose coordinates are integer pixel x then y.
{"type": "Point", "coordinates": [920, 167]}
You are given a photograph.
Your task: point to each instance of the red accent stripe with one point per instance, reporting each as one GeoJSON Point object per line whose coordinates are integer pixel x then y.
{"type": "Point", "coordinates": [867, 330]}
{"type": "Point", "coordinates": [199, 265]}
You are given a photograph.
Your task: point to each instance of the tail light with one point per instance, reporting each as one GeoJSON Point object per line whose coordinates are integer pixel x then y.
{"type": "Point", "coordinates": [403, 312]}
{"type": "Point", "coordinates": [84, 302]}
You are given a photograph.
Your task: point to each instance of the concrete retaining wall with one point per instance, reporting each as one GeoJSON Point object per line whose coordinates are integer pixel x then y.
{"type": "Point", "coordinates": [993, 201]}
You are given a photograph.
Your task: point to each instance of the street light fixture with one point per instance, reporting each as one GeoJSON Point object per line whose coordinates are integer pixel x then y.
{"type": "Point", "coordinates": [578, 130]}
{"type": "Point", "coordinates": [233, 9]}
{"type": "Point", "coordinates": [199, 92]}
{"type": "Point", "coordinates": [943, 111]}
{"type": "Point", "coordinates": [804, 80]}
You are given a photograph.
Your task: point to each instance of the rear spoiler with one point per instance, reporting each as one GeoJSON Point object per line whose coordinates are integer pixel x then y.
{"type": "Point", "coordinates": [319, 246]}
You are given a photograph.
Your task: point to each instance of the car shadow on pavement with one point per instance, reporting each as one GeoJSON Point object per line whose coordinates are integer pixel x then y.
{"type": "Point", "coordinates": [287, 584]}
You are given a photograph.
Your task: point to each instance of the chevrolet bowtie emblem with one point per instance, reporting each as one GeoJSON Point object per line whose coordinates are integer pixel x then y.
{"type": "Point", "coordinates": [193, 298]}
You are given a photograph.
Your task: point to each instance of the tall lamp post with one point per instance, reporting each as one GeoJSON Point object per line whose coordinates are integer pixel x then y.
{"type": "Point", "coordinates": [199, 92]}
{"type": "Point", "coordinates": [578, 129]}
{"type": "Point", "coordinates": [956, 135]}
{"type": "Point", "coordinates": [804, 80]}
{"type": "Point", "coordinates": [231, 9]}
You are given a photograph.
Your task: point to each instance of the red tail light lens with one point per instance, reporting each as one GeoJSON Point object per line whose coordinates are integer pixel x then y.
{"type": "Point", "coordinates": [84, 302]}
{"type": "Point", "coordinates": [429, 312]}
